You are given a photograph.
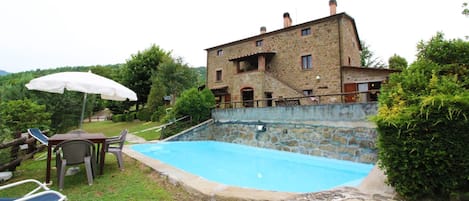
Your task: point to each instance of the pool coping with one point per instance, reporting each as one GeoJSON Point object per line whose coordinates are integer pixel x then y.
{"type": "Point", "coordinates": [201, 185]}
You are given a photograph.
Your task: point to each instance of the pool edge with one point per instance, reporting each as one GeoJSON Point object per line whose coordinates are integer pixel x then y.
{"type": "Point", "coordinates": [200, 185]}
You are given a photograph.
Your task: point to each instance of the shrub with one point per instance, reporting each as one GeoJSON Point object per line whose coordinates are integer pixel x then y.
{"type": "Point", "coordinates": [423, 124]}
{"type": "Point", "coordinates": [19, 115]}
{"type": "Point", "coordinates": [130, 116]}
{"type": "Point", "coordinates": [118, 117]}
{"type": "Point", "coordinates": [175, 128]}
{"type": "Point", "coordinates": [424, 150]}
{"type": "Point", "coordinates": [158, 114]}
{"type": "Point", "coordinates": [196, 104]}
{"type": "Point", "coordinates": [144, 114]}
{"type": "Point", "coordinates": [169, 116]}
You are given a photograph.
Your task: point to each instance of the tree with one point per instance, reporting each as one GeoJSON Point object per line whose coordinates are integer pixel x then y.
{"type": "Point", "coordinates": [176, 77]}
{"type": "Point", "coordinates": [157, 93]}
{"type": "Point", "coordinates": [422, 122]}
{"type": "Point", "coordinates": [465, 10]}
{"type": "Point", "coordinates": [196, 104]}
{"type": "Point", "coordinates": [201, 73]}
{"type": "Point", "coordinates": [397, 62]}
{"type": "Point", "coordinates": [443, 51]}
{"type": "Point", "coordinates": [367, 57]}
{"type": "Point", "coordinates": [65, 109]}
{"type": "Point", "coordinates": [18, 115]}
{"type": "Point", "coordinates": [171, 78]}
{"type": "Point", "coordinates": [140, 68]}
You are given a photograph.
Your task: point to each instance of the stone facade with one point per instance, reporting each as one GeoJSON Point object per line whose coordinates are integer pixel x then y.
{"type": "Point", "coordinates": [343, 132]}
{"type": "Point", "coordinates": [272, 62]}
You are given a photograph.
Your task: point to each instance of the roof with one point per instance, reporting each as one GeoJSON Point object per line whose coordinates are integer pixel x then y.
{"type": "Point", "coordinates": [254, 54]}
{"type": "Point", "coordinates": [317, 21]}
{"type": "Point", "coordinates": [220, 90]}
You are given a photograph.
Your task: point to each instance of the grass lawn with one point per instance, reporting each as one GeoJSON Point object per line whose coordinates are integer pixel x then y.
{"type": "Point", "coordinates": [136, 182]}
{"type": "Point", "coordinates": [110, 128]}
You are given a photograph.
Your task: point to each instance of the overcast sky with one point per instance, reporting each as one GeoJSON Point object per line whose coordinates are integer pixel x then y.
{"type": "Point", "coordinates": [40, 34]}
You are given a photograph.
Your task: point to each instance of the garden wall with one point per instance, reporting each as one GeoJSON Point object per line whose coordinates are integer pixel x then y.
{"type": "Point", "coordinates": [339, 131]}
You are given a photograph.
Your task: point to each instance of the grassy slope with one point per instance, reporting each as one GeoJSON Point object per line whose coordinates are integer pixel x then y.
{"type": "Point", "coordinates": [110, 128]}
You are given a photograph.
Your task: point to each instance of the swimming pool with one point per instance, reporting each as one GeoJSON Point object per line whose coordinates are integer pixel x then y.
{"type": "Point", "coordinates": [251, 167]}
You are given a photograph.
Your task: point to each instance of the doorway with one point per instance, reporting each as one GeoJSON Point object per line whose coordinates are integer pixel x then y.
{"type": "Point", "coordinates": [350, 88]}
{"type": "Point", "coordinates": [268, 96]}
{"type": "Point", "coordinates": [248, 97]}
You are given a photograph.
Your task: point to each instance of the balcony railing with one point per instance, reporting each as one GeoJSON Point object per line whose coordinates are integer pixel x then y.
{"type": "Point", "coordinates": [350, 97]}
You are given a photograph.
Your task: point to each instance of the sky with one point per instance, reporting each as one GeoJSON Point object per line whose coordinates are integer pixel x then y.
{"type": "Point", "coordinates": [42, 34]}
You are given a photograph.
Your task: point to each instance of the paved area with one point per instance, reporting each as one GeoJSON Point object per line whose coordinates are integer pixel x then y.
{"type": "Point", "coordinates": [134, 139]}
{"type": "Point", "coordinates": [343, 194]}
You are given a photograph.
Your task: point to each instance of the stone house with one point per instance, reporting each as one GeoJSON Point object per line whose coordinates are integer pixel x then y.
{"type": "Point", "coordinates": [311, 59]}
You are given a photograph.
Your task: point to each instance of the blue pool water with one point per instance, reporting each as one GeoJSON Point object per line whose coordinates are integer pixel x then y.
{"type": "Point", "coordinates": [251, 167]}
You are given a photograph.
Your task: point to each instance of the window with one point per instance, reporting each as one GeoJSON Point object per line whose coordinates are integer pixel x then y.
{"type": "Point", "coordinates": [259, 43]}
{"type": "Point", "coordinates": [268, 96]}
{"type": "Point", "coordinates": [375, 86]}
{"type": "Point", "coordinates": [219, 75]}
{"type": "Point", "coordinates": [308, 92]}
{"type": "Point", "coordinates": [307, 62]}
{"type": "Point", "coordinates": [306, 31]}
{"type": "Point", "coordinates": [219, 52]}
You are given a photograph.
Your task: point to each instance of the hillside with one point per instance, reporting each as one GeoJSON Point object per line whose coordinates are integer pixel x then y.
{"type": "Point", "coordinates": [201, 73]}
{"type": "Point", "coordinates": [2, 72]}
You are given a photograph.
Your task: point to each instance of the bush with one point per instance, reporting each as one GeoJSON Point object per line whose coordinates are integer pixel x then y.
{"type": "Point", "coordinates": [158, 114]}
{"type": "Point", "coordinates": [130, 116]}
{"type": "Point", "coordinates": [144, 114]}
{"type": "Point", "coordinates": [176, 128]}
{"type": "Point", "coordinates": [19, 115]}
{"type": "Point", "coordinates": [423, 125]}
{"type": "Point", "coordinates": [169, 116]}
{"type": "Point", "coordinates": [424, 151]}
{"type": "Point", "coordinates": [118, 117]}
{"type": "Point", "coordinates": [196, 104]}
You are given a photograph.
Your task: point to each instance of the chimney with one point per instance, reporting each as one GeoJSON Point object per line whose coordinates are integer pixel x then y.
{"type": "Point", "coordinates": [332, 6]}
{"type": "Point", "coordinates": [263, 30]}
{"type": "Point", "coordinates": [286, 20]}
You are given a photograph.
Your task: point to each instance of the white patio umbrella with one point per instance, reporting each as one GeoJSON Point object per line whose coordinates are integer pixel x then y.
{"type": "Point", "coordinates": [85, 82]}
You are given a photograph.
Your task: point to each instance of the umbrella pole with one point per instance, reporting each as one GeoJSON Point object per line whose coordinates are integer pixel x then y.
{"type": "Point", "coordinates": [82, 111]}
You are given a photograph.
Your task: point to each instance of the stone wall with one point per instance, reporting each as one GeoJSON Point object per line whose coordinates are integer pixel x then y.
{"type": "Point", "coordinates": [363, 75]}
{"type": "Point", "coordinates": [341, 133]}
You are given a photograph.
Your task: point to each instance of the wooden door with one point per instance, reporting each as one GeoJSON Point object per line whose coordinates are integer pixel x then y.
{"type": "Point", "coordinates": [350, 88]}
{"type": "Point", "coordinates": [228, 101]}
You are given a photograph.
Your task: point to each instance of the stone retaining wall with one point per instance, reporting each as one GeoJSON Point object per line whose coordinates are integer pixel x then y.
{"type": "Point", "coordinates": [352, 140]}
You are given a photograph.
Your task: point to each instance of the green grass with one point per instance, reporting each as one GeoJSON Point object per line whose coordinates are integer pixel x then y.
{"type": "Point", "coordinates": [110, 128]}
{"type": "Point", "coordinates": [136, 182]}
{"type": "Point", "coordinates": [150, 135]}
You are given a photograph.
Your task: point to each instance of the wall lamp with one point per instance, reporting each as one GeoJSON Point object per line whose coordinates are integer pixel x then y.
{"type": "Point", "coordinates": [318, 77]}
{"type": "Point", "coordinates": [260, 128]}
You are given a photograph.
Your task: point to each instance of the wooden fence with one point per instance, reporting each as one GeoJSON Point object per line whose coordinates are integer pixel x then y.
{"type": "Point", "coordinates": [17, 154]}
